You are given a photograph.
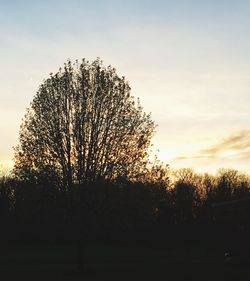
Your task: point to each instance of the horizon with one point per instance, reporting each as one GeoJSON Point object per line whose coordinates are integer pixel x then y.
{"type": "Point", "coordinates": [187, 62]}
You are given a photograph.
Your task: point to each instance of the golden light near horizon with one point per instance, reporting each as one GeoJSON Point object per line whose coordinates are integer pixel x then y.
{"type": "Point", "coordinates": [229, 154]}
{"type": "Point", "coordinates": [6, 166]}
{"type": "Point", "coordinates": [7, 163]}
{"type": "Point", "coordinates": [167, 155]}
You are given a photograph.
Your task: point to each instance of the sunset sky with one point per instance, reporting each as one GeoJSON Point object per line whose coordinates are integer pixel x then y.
{"type": "Point", "coordinates": [187, 61]}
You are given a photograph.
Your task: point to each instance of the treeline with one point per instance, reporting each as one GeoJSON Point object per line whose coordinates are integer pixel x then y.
{"type": "Point", "coordinates": [158, 202]}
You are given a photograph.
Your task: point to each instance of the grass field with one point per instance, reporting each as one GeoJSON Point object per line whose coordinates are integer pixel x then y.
{"type": "Point", "coordinates": [109, 262]}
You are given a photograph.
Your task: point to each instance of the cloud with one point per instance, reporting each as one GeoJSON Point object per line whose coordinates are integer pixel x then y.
{"type": "Point", "coordinates": [237, 143]}
{"type": "Point", "coordinates": [189, 157]}
{"type": "Point", "coordinates": [236, 146]}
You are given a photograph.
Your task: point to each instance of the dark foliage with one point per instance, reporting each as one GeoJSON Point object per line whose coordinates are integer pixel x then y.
{"type": "Point", "coordinates": [125, 209]}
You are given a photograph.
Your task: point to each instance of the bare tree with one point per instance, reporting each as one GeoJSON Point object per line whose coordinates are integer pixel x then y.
{"type": "Point", "coordinates": [82, 125]}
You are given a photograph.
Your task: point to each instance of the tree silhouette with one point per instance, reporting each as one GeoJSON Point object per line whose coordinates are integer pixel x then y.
{"type": "Point", "coordinates": [187, 194]}
{"type": "Point", "coordinates": [83, 125]}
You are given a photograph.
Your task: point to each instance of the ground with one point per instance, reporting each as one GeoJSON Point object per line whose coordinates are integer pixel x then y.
{"type": "Point", "coordinates": [45, 261]}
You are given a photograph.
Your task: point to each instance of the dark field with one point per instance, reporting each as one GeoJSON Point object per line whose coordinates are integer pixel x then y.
{"type": "Point", "coordinates": [112, 262]}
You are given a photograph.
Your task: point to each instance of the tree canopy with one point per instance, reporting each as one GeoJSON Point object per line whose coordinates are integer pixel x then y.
{"type": "Point", "coordinates": [83, 125]}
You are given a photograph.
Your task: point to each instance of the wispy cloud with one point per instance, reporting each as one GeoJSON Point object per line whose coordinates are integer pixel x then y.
{"type": "Point", "coordinates": [189, 157]}
{"type": "Point", "coordinates": [235, 146]}
{"type": "Point", "coordinates": [238, 143]}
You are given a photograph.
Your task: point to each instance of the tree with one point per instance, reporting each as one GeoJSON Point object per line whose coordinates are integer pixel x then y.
{"type": "Point", "coordinates": [230, 185]}
{"type": "Point", "coordinates": [83, 125]}
{"type": "Point", "coordinates": [187, 194]}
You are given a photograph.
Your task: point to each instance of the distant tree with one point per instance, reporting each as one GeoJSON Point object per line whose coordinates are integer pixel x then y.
{"type": "Point", "coordinates": [187, 194]}
{"type": "Point", "coordinates": [231, 184]}
{"type": "Point", "coordinates": [83, 125]}
{"type": "Point", "coordinates": [6, 197]}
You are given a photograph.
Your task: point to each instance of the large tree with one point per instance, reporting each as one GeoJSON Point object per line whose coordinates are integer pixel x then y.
{"type": "Point", "coordinates": [82, 125]}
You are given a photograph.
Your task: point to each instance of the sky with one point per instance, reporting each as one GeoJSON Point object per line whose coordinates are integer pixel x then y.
{"type": "Point", "coordinates": [187, 61]}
